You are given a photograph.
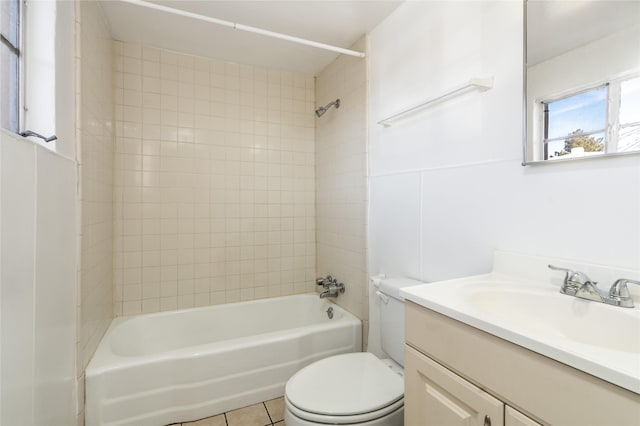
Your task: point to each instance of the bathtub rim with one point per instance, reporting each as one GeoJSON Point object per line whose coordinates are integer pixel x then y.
{"type": "Point", "coordinates": [105, 360]}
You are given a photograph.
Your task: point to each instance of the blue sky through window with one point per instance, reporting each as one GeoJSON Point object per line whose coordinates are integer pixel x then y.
{"type": "Point", "coordinates": [586, 111]}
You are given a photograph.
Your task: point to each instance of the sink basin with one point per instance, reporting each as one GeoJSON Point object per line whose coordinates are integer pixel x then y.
{"type": "Point", "coordinates": [599, 339]}
{"type": "Point", "coordinates": [544, 312]}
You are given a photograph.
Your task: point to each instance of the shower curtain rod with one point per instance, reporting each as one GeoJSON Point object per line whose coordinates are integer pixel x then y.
{"type": "Point", "coordinates": [247, 28]}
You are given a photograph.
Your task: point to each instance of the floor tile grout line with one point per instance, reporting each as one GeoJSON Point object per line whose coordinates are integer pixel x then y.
{"type": "Point", "coordinates": [268, 413]}
{"type": "Point", "coordinates": [226, 419]}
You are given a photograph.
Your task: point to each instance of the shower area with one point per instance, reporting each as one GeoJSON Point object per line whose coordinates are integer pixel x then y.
{"type": "Point", "coordinates": [223, 177]}
{"type": "Point", "coordinates": [227, 188]}
{"type": "Point", "coordinates": [214, 197]}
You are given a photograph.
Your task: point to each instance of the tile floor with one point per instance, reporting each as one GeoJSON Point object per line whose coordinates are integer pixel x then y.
{"type": "Point", "coordinates": [268, 413]}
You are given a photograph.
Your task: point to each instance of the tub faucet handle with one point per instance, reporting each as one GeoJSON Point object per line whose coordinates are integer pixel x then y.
{"type": "Point", "coordinates": [332, 290]}
{"type": "Point", "coordinates": [325, 281]}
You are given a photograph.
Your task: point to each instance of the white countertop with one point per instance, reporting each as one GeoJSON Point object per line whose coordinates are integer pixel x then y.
{"type": "Point", "coordinates": [599, 339]}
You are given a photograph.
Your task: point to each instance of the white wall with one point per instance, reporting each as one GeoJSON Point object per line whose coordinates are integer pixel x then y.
{"type": "Point", "coordinates": [38, 248]}
{"type": "Point", "coordinates": [37, 284]}
{"type": "Point", "coordinates": [447, 187]}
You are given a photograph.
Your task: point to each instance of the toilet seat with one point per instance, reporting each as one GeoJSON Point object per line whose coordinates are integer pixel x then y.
{"type": "Point", "coordinates": [344, 420]}
{"type": "Point", "coordinates": [343, 389]}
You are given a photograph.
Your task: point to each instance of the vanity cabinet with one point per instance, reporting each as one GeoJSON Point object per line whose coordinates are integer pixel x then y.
{"type": "Point", "coordinates": [456, 374]}
{"type": "Point", "coordinates": [435, 396]}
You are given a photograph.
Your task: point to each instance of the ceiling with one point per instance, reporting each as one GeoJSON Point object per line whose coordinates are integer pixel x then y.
{"type": "Point", "coordinates": [338, 23]}
{"type": "Point", "coordinates": [556, 27]}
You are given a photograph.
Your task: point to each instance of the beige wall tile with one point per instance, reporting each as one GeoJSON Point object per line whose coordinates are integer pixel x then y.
{"type": "Point", "coordinates": [214, 181]}
{"type": "Point", "coordinates": [341, 179]}
{"type": "Point", "coordinates": [95, 154]}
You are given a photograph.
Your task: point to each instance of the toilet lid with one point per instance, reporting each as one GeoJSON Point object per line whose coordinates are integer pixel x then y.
{"type": "Point", "coordinates": [345, 385]}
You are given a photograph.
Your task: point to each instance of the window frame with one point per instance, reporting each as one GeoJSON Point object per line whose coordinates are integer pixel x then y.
{"type": "Point", "coordinates": [612, 119]}
{"type": "Point", "coordinates": [618, 126]}
{"type": "Point", "coordinates": [19, 53]}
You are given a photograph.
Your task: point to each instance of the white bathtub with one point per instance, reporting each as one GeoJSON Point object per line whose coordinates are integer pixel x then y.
{"type": "Point", "coordinates": [184, 365]}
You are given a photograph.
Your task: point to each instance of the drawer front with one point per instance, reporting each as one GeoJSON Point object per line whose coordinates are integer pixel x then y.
{"type": "Point", "coordinates": [512, 417]}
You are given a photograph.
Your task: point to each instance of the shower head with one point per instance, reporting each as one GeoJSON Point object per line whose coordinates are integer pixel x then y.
{"type": "Point", "coordinates": [321, 110]}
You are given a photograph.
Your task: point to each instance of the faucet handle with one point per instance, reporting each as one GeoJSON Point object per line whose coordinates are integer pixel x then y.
{"type": "Point", "coordinates": [558, 268]}
{"type": "Point", "coordinates": [324, 281]}
{"type": "Point", "coordinates": [573, 280]}
{"type": "Point", "coordinates": [620, 291]}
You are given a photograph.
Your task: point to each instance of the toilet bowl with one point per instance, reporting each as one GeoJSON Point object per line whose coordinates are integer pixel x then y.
{"type": "Point", "coordinates": [356, 388]}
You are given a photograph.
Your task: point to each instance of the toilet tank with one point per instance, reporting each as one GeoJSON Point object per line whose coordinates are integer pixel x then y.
{"type": "Point", "coordinates": [392, 316]}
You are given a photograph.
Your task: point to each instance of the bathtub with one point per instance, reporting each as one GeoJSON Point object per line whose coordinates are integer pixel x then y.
{"type": "Point", "coordinates": [168, 367]}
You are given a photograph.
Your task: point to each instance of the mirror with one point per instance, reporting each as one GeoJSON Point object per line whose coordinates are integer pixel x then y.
{"type": "Point", "coordinates": [582, 79]}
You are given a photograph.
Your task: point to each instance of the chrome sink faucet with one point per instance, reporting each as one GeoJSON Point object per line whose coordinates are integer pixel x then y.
{"type": "Point", "coordinates": [579, 284]}
{"type": "Point", "coordinates": [619, 292]}
{"type": "Point", "coordinates": [573, 281]}
{"type": "Point", "coordinates": [331, 286]}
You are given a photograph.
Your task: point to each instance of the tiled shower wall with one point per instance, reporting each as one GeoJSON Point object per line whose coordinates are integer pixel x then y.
{"type": "Point", "coordinates": [214, 181]}
{"type": "Point", "coordinates": [94, 150]}
{"type": "Point", "coordinates": [341, 180]}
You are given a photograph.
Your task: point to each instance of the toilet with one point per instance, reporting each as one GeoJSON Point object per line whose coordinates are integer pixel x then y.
{"type": "Point", "coordinates": [356, 388]}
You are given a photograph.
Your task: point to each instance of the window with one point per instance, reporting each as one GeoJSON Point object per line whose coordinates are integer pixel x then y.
{"type": "Point", "coordinates": [29, 50]}
{"type": "Point", "coordinates": [629, 126]}
{"type": "Point", "coordinates": [600, 120]}
{"type": "Point", "coordinates": [575, 122]}
{"type": "Point", "coordinates": [10, 58]}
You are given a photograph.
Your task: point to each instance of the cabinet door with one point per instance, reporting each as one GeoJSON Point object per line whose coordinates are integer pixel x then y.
{"type": "Point", "coordinates": [512, 417]}
{"type": "Point", "coordinates": [435, 396]}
